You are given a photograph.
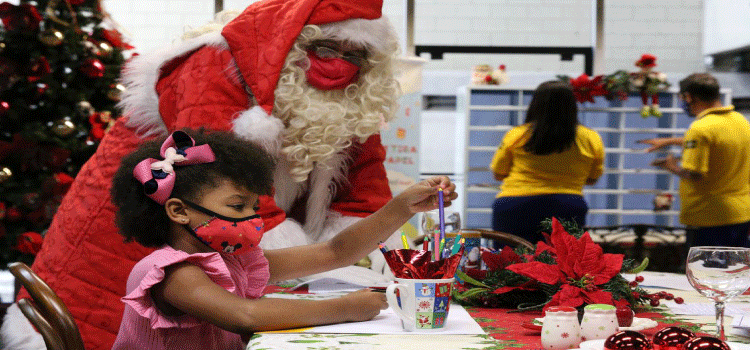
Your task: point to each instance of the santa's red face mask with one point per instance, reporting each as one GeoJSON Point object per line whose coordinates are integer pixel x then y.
{"type": "Point", "coordinates": [330, 73]}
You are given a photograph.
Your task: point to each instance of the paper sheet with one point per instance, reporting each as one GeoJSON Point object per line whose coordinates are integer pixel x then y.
{"type": "Point", "coordinates": [345, 279]}
{"type": "Point", "coordinates": [458, 322]}
{"type": "Point", "coordinates": [707, 309]}
{"type": "Point", "coordinates": [662, 280]}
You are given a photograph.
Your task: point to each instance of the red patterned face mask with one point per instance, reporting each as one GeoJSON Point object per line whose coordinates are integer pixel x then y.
{"type": "Point", "coordinates": [228, 235]}
{"type": "Point", "coordinates": [330, 73]}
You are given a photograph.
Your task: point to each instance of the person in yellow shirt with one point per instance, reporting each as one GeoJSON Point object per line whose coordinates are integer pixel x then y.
{"type": "Point", "coordinates": [544, 165]}
{"type": "Point", "coordinates": [715, 170]}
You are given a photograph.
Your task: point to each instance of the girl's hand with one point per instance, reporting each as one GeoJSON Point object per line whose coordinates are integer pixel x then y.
{"type": "Point", "coordinates": [423, 196]}
{"type": "Point", "coordinates": [364, 304]}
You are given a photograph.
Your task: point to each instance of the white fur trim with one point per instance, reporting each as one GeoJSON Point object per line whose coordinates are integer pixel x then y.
{"type": "Point", "coordinates": [286, 234]}
{"type": "Point", "coordinates": [139, 75]}
{"type": "Point", "coordinates": [260, 127]}
{"type": "Point", "coordinates": [17, 332]}
{"type": "Point", "coordinates": [373, 33]}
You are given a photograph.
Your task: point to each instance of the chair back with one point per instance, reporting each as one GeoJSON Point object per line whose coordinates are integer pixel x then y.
{"type": "Point", "coordinates": [48, 305]}
{"type": "Point", "coordinates": [50, 335]}
{"type": "Point", "coordinates": [503, 237]}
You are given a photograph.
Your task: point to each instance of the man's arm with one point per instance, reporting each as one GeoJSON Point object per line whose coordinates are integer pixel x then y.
{"type": "Point", "coordinates": [669, 163]}
{"type": "Point", "coordinates": [661, 142]}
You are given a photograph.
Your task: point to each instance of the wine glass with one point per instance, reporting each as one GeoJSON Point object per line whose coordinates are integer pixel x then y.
{"type": "Point", "coordinates": [719, 273]}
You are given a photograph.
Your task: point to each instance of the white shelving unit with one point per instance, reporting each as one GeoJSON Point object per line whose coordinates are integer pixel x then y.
{"type": "Point", "coordinates": [623, 195]}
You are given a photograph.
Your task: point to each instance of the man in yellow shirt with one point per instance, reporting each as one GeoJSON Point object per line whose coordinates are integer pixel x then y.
{"type": "Point", "coordinates": [715, 170]}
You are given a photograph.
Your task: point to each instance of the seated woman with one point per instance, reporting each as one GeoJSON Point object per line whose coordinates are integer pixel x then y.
{"type": "Point", "coordinates": [544, 164]}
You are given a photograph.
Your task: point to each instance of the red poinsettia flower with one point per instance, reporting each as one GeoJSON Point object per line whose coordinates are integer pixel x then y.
{"type": "Point", "coordinates": [584, 89]}
{"type": "Point", "coordinates": [115, 39]}
{"type": "Point", "coordinates": [496, 261]}
{"type": "Point", "coordinates": [581, 267]}
{"type": "Point", "coordinates": [22, 17]}
{"type": "Point", "coordinates": [29, 242]}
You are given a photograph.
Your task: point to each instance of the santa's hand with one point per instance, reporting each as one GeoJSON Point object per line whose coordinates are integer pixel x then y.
{"type": "Point", "coordinates": [423, 196]}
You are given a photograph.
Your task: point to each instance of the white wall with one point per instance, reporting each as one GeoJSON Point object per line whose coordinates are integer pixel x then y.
{"type": "Point", "coordinates": [670, 29]}
{"type": "Point", "coordinates": [727, 25]}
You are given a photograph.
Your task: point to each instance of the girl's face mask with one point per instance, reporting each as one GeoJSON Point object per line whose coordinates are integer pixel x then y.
{"type": "Point", "coordinates": [330, 73]}
{"type": "Point", "coordinates": [228, 235]}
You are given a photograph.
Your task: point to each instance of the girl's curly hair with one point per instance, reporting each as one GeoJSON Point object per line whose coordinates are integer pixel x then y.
{"type": "Point", "coordinates": [141, 219]}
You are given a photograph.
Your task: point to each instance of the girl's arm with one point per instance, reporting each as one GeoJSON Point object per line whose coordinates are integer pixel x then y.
{"type": "Point", "coordinates": [188, 289]}
{"type": "Point", "coordinates": [356, 241]}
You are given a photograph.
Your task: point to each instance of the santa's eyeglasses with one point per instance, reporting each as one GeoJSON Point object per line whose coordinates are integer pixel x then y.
{"type": "Point", "coordinates": [357, 58]}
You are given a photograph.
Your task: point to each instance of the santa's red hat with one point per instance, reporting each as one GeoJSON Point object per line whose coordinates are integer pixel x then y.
{"type": "Point", "coordinates": [646, 61]}
{"type": "Point", "coordinates": [260, 38]}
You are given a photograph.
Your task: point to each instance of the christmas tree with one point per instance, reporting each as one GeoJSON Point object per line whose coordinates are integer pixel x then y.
{"type": "Point", "coordinates": [59, 64]}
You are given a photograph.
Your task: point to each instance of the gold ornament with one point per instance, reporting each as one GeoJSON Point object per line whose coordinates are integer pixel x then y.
{"type": "Point", "coordinates": [5, 174]}
{"type": "Point", "coordinates": [63, 127]}
{"type": "Point", "coordinates": [115, 93]}
{"type": "Point", "coordinates": [105, 49]}
{"type": "Point", "coordinates": [2, 47]}
{"type": "Point", "coordinates": [51, 37]}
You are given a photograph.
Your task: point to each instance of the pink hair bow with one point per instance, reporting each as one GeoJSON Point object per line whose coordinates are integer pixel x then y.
{"type": "Point", "coordinates": [157, 176]}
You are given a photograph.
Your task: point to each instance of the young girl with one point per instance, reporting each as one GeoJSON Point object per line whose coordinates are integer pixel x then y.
{"type": "Point", "coordinates": [194, 196]}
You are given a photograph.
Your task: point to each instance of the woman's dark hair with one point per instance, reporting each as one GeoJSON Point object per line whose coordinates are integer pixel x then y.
{"type": "Point", "coordinates": [553, 115]}
{"type": "Point", "coordinates": [141, 219]}
{"type": "Point", "coordinates": [702, 86]}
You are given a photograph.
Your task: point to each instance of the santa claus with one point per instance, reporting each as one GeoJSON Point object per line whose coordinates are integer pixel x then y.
{"type": "Point", "coordinates": [310, 80]}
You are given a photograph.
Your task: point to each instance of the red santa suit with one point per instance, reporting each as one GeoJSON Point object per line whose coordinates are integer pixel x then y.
{"type": "Point", "coordinates": [210, 81]}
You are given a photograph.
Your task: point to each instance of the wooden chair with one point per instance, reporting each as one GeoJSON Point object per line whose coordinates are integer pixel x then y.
{"type": "Point", "coordinates": [47, 307]}
{"type": "Point", "coordinates": [50, 335]}
{"type": "Point", "coordinates": [502, 237]}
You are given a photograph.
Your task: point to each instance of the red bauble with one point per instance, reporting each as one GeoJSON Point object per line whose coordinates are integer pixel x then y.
{"type": "Point", "coordinates": [13, 214]}
{"type": "Point", "coordinates": [29, 242]}
{"type": "Point", "coordinates": [92, 68]}
{"type": "Point", "coordinates": [627, 340]}
{"type": "Point", "coordinates": [706, 343]}
{"type": "Point", "coordinates": [4, 107]}
{"type": "Point", "coordinates": [624, 316]}
{"type": "Point", "coordinates": [22, 17]}
{"type": "Point", "coordinates": [672, 338]}
{"type": "Point", "coordinates": [37, 69]}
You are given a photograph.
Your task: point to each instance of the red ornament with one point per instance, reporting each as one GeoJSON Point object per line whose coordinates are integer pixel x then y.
{"type": "Point", "coordinates": [4, 107]}
{"type": "Point", "coordinates": [29, 242]}
{"type": "Point", "coordinates": [13, 214]}
{"type": "Point", "coordinates": [672, 338]}
{"type": "Point", "coordinates": [627, 340]}
{"type": "Point", "coordinates": [62, 184]}
{"type": "Point", "coordinates": [22, 17]}
{"type": "Point", "coordinates": [706, 343]}
{"type": "Point", "coordinates": [37, 69]}
{"type": "Point", "coordinates": [639, 279]}
{"type": "Point", "coordinates": [41, 88]}
{"type": "Point", "coordinates": [624, 316]}
{"type": "Point", "coordinates": [92, 68]}
{"type": "Point", "coordinates": [679, 300]}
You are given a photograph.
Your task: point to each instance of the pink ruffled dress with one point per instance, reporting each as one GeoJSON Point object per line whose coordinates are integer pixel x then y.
{"type": "Point", "coordinates": [144, 327]}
